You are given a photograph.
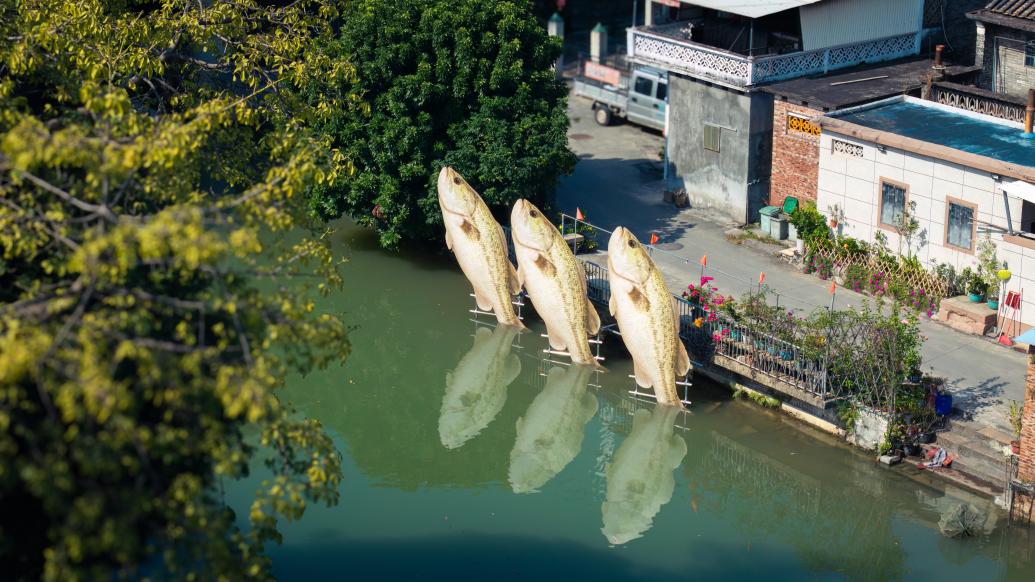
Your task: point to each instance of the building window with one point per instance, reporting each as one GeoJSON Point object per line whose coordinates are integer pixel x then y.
{"type": "Point", "coordinates": [1029, 54]}
{"type": "Point", "coordinates": [662, 91]}
{"type": "Point", "coordinates": [711, 137]}
{"type": "Point", "coordinates": [959, 224]}
{"type": "Point", "coordinates": [644, 86]}
{"type": "Point", "coordinates": [892, 202]}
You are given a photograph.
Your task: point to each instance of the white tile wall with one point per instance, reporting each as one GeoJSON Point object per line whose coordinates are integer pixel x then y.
{"type": "Point", "coordinates": [853, 184]}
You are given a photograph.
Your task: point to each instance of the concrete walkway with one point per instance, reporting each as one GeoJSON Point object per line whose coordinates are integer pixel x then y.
{"type": "Point", "coordinates": [618, 181]}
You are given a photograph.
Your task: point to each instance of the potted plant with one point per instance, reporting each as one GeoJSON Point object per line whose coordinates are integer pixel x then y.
{"type": "Point", "coordinates": [836, 215]}
{"type": "Point", "coordinates": [976, 288]}
{"type": "Point", "coordinates": [1016, 416]}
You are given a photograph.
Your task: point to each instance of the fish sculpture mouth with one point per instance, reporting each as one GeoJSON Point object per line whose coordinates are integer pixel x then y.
{"type": "Point", "coordinates": [450, 199]}
{"type": "Point", "coordinates": [522, 217]}
{"type": "Point", "coordinates": [621, 244]}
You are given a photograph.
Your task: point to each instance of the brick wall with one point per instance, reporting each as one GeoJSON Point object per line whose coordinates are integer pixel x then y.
{"type": "Point", "coordinates": [1022, 504]}
{"type": "Point", "coordinates": [1002, 58]}
{"type": "Point", "coordinates": [1026, 465]}
{"type": "Point", "coordinates": [795, 156]}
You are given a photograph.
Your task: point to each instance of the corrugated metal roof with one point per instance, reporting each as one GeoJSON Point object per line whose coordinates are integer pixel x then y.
{"type": "Point", "coordinates": [751, 8]}
{"type": "Point", "coordinates": [1015, 8]}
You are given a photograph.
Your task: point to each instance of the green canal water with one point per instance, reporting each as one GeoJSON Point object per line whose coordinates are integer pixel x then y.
{"type": "Point", "coordinates": [468, 457]}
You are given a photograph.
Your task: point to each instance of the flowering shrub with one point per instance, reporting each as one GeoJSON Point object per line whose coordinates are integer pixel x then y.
{"type": "Point", "coordinates": [878, 284]}
{"type": "Point", "coordinates": [822, 266]}
{"type": "Point", "coordinates": [921, 302]}
{"type": "Point", "coordinates": [706, 296]}
{"type": "Point", "coordinates": [856, 278]}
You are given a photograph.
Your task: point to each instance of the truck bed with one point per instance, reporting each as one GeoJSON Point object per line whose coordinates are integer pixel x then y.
{"type": "Point", "coordinates": [602, 93]}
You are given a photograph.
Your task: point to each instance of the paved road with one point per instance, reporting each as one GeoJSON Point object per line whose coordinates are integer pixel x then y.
{"type": "Point", "coordinates": [618, 181]}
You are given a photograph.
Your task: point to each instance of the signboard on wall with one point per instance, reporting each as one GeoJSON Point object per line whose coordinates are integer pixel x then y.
{"type": "Point", "coordinates": [602, 73]}
{"type": "Point", "coordinates": [799, 124]}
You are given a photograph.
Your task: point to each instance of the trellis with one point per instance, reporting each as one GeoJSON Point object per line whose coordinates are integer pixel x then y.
{"type": "Point", "coordinates": [932, 285]}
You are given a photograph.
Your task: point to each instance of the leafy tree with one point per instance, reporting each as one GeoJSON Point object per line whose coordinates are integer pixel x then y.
{"type": "Point", "coordinates": [466, 83]}
{"type": "Point", "coordinates": [153, 156]}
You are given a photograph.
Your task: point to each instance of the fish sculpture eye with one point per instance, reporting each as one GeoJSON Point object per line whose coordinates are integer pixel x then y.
{"type": "Point", "coordinates": [632, 244]}
{"type": "Point", "coordinates": [456, 179]}
{"type": "Point", "coordinates": [533, 213]}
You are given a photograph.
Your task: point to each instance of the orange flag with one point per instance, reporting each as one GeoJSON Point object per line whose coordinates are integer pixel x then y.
{"type": "Point", "coordinates": [704, 261]}
{"type": "Point", "coordinates": [578, 214]}
{"type": "Point", "coordinates": [653, 238]}
{"type": "Point", "coordinates": [761, 278]}
{"type": "Point", "coordinates": [833, 287]}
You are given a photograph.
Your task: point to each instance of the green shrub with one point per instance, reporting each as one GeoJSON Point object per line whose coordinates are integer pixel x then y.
{"type": "Point", "coordinates": [809, 223]}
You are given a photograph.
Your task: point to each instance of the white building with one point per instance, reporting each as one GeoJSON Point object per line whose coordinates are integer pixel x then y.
{"type": "Point", "coordinates": [969, 174]}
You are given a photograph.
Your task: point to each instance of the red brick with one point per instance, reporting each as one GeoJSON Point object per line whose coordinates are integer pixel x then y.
{"type": "Point", "coordinates": [795, 157]}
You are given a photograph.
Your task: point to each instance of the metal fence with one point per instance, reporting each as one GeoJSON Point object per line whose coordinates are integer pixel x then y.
{"type": "Point", "coordinates": [728, 338]}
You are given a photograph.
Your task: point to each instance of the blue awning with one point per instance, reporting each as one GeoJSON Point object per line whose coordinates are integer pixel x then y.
{"type": "Point", "coordinates": [1027, 337]}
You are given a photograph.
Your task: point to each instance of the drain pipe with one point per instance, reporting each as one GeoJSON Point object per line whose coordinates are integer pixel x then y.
{"type": "Point", "coordinates": [939, 68]}
{"type": "Point", "coordinates": [1029, 112]}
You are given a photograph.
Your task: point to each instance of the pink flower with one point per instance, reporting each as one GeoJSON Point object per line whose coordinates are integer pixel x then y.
{"type": "Point", "coordinates": [716, 337]}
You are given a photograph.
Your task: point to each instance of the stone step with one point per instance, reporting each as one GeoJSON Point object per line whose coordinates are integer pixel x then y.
{"type": "Point", "coordinates": [974, 458]}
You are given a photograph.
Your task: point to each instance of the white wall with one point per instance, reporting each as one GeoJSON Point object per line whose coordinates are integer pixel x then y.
{"type": "Point", "coordinates": [839, 22]}
{"type": "Point", "coordinates": [854, 184]}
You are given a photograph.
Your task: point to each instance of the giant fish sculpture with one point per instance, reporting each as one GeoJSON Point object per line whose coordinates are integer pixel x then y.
{"type": "Point", "coordinates": [556, 283]}
{"type": "Point", "coordinates": [639, 479]}
{"type": "Point", "coordinates": [480, 247]}
{"type": "Point", "coordinates": [477, 388]}
{"type": "Point", "coordinates": [647, 317]}
{"type": "Point", "coordinates": [550, 433]}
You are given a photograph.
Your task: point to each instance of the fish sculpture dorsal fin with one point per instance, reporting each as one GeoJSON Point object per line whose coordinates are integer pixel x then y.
{"type": "Point", "coordinates": [484, 303]}
{"type": "Point", "coordinates": [642, 379]}
{"type": "Point", "coordinates": [555, 340]}
{"type": "Point", "coordinates": [592, 318]}
{"type": "Point", "coordinates": [682, 358]}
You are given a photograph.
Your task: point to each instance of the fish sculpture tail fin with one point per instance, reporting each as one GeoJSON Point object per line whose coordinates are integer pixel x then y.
{"type": "Point", "coordinates": [597, 367]}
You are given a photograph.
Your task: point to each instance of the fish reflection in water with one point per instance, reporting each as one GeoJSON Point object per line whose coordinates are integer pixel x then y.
{"type": "Point", "coordinates": [477, 388]}
{"type": "Point", "coordinates": [550, 433]}
{"type": "Point", "coordinates": [639, 480]}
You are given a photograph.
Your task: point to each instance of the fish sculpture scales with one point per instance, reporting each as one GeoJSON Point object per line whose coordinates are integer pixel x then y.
{"type": "Point", "coordinates": [639, 479]}
{"type": "Point", "coordinates": [477, 388]}
{"type": "Point", "coordinates": [480, 246]}
{"type": "Point", "coordinates": [647, 317]}
{"type": "Point", "coordinates": [556, 283]}
{"type": "Point", "coordinates": [550, 433]}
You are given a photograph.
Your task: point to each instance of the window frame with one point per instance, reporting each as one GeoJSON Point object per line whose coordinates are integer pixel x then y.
{"type": "Point", "coordinates": [880, 201]}
{"type": "Point", "coordinates": [718, 137]}
{"type": "Point", "coordinates": [949, 200]}
{"type": "Point", "coordinates": [1029, 54]}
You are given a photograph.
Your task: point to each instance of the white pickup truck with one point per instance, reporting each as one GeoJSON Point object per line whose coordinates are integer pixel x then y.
{"type": "Point", "coordinates": [639, 97]}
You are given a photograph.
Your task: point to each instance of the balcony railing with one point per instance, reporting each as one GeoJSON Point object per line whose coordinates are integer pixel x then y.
{"type": "Point", "coordinates": [695, 59]}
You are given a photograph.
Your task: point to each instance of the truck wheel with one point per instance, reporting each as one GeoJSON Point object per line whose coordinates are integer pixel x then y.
{"type": "Point", "coordinates": [603, 116]}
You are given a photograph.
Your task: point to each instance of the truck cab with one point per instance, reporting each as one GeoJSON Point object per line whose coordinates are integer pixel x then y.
{"type": "Point", "coordinates": [648, 92]}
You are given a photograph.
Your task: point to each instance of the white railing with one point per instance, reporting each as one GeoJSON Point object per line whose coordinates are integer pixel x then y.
{"type": "Point", "coordinates": [688, 57]}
